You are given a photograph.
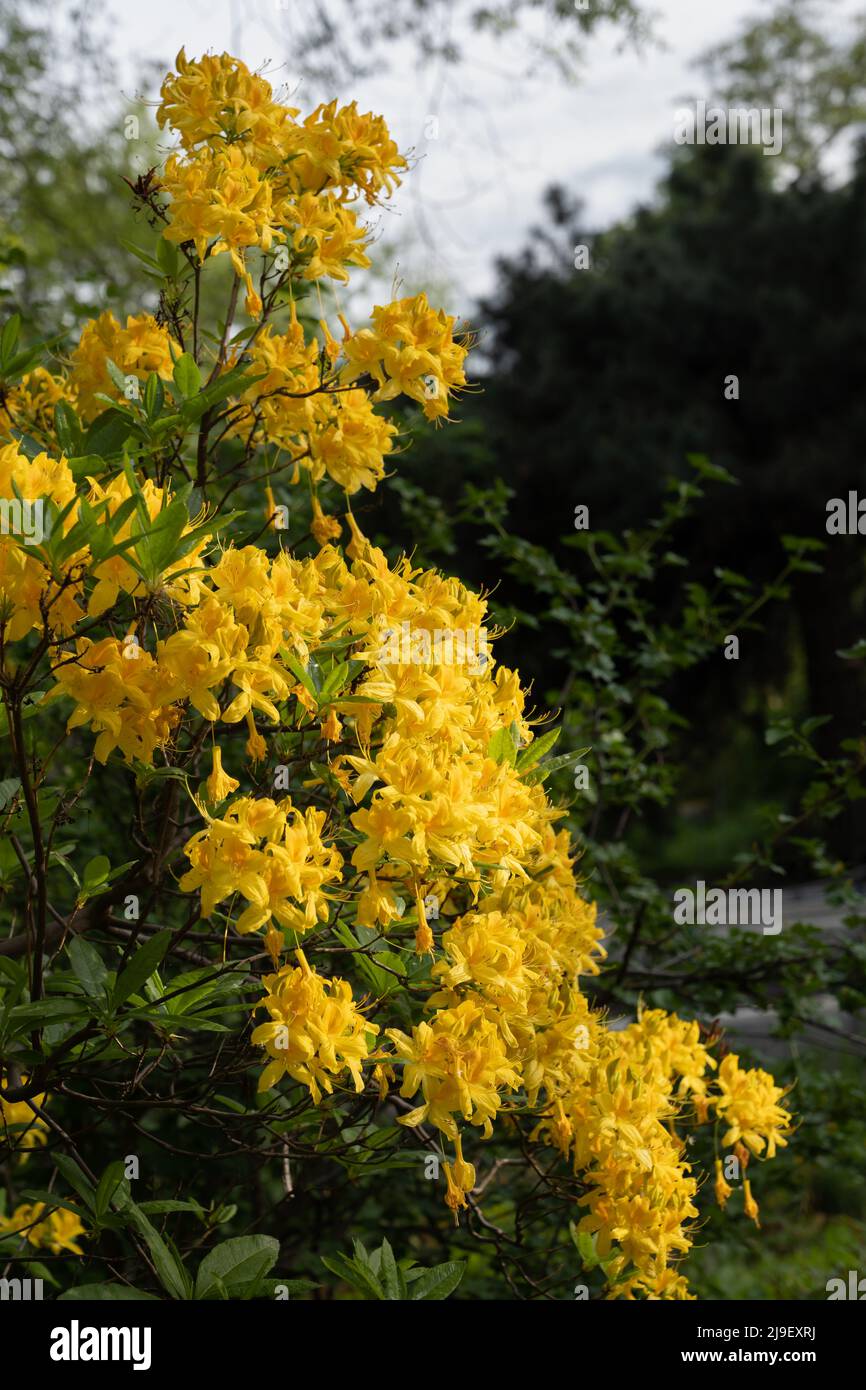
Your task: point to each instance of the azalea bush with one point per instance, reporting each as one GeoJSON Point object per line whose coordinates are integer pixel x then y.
{"type": "Point", "coordinates": [285, 893]}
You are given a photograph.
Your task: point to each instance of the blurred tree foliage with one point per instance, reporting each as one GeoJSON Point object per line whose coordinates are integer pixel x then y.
{"type": "Point", "coordinates": [334, 41]}
{"type": "Point", "coordinates": [65, 140]}
{"type": "Point", "coordinates": [789, 61]}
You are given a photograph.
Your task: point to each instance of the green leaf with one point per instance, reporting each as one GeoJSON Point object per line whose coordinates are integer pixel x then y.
{"type": "Point", "coordinates": [388, 1272]}
{"type": "Point", "coordinates": [540, 773]}
{"type": "Point", "coordinates": [712, 472]}
{"type": "Point", "coordinates": [162, 1208]}
{"type": "Point", "coordinates": [8, 338]}
{"type": "Point", "coordinates": [67, 427]}
{"type": "Point", "coordinates": [108, 432]}
{"type": "Point", "coordinates": [439, 1282]}
{"type": "Point", "coordinates": [301, 672]}
{"type": "Point", "coordinates": [46, 1011]}
{"type": "Point", "coordinates": [360, 1276]}
{"type": "Point", "coordinates": [187, 377]}
{"type": "Point", "coordinates": [502, 748]}
{"type": "Point", "coordinates": [37, 1194]}
{"type": "Point", "coordinates": [293, 1287]}
{"type": "Point", "coordinates": [586, 1246]}
{"type": "Point", "coordinates": [167, 256]}
{"type": "Point", "coordinates": [236, 1267]}
{"type": "Point", "coordinates": [141, 967]}
{"type": "Point", "coordinates": [117, 376]}
{"type": "Point", "coordinates": [334, 682]}
{"type": "Point", "coordinates": [231, 383]}
{"type": "Point", "coordinates": [107, 1186]}
{"type": "Point", "coordinates": [69, 1169]}
{"type": "Point", "coordinates": [142, 255]}
{"type": "Point", "coordinates": [154, 396]}
{"type": "Point", "coordinates": [9, 789]}
{"type": "Point", "coordinates": [169, 1269]}
{"type": "Point", "coordinates": [95, 879]}
{"type": "Point", "coordinates": [88, 966]}
{"type": "Point", "coordinates": [22, 362]}
{"type": "Point", "coordinates": [537, 749]}
{"type": "Point", "coordinates": [117, 1293]}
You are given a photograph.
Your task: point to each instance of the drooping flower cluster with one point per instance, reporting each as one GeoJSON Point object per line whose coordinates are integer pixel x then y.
{"type": "Point", "coordinates": [273, 855]}
{"type": "Point", "coordinates": [749, 1106]}
{"type": "Point", "coordinates": [315, 1031]}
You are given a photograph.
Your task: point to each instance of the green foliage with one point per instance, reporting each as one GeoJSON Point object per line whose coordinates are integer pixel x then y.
{"type": "Point", "coordinates": [377, 1275]}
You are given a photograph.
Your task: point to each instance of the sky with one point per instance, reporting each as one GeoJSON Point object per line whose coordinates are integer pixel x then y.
{"type": "Point", "coordinates": [488, 139]}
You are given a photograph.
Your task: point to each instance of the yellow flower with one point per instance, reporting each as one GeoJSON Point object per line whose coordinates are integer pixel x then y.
{"type": "Point", "coordinates": [331, 727]}
{"type": "Point", "coordinates": [137, 350]}
{"type": "Point", "coordinates": [19, 1127]}
{"type": "Point", "coordinates": [750, 1206]}
{"type": "Point", "coordinates": [272, 855]}
{"type": "Point", "coordinates": [423, 935]}
{"type": "Point", "coordinates": [256, 747]}
{"type": "Point", "coordinates": [459, 1178]}
{"type": "Point", "coordinates": [410, 350]}
{"type": "Point", "coordinates": [379, 903]}
{"type": "Point", "coordinates": [218, 98]}
{"type": "Point", "coordinates": [220, 785]}
{"type": "Point", "coordinates": [382, 1075]}
{"type": "Point", "coordinates": [324, 528]}
{"type": "Point", "coordinates": [749, 1103]}
{"type": "Point", "coordinates": [315, 1032]}
{"type": "Point", "coordinates": [56, 1232]}
{"type": "Point", "coordinates": [722, 1190]}
{"type": "Point", "coordinates": [460, 1063]}
{"type": "Point", "coordinates": [29, 405]}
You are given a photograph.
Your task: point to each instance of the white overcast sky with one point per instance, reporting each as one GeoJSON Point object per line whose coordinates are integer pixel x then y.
{"type": "Point", "coordinates": [503, 138]}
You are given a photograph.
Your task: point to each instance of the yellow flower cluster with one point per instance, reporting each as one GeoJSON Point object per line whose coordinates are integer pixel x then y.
{"type": "Point", "coordinates": [56, 1232]}
{"type": "Point", "coordinates": [749, 1106]}
{"type": "Point", "coordinates": [31, 596]}
{"type": "Point", "coordinates": [250, 174]}
{"type": "Point", "coordinates": [337, 434]}
{"type": "Point", "coordinates": [29, 405]}
{"type": "Point", "coordinates": [273, 855]}
{"type": "Point", "coordinates": [36, 592]}
{"type": "Point", "coordinates": [85, 383]}
{"type": "Point", "coordinates": [315, 1032]}
{"type": "Point", "coordinates": [437, 816]}
{"type": "Point", "coordinates": [137, 350]}
{"type": "Point", "coordinates": [410, 350]}
{"type": "Point", "coordinates": [20, 1129]}
{"type": "Point", "coordinates": [460, 1062]}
